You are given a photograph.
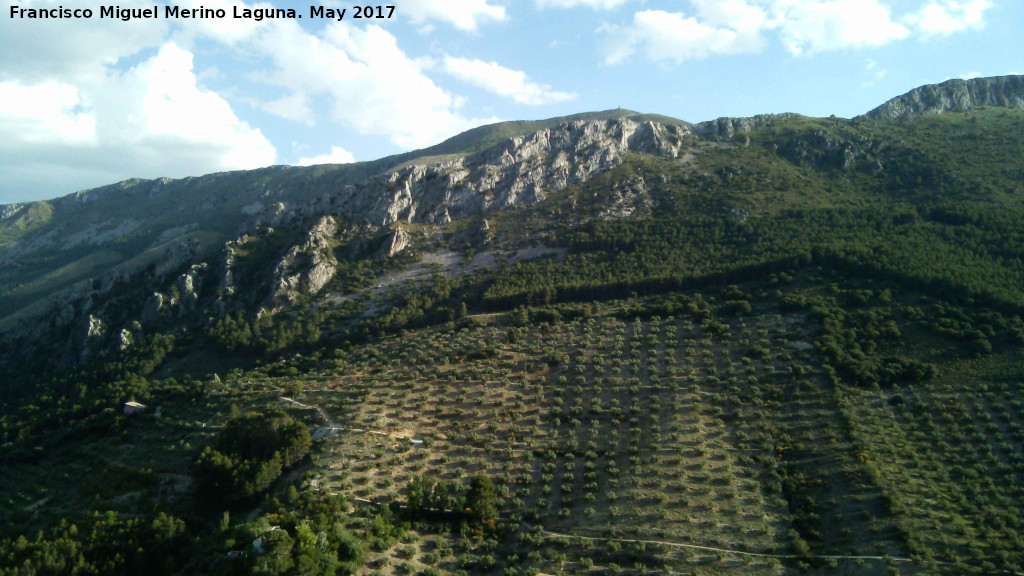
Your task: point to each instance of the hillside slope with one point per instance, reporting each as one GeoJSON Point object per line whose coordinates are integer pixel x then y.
{"type": "Point", "coordinates": [609, 344]}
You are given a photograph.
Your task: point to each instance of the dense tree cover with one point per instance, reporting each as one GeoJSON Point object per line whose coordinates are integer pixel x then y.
{"type": "Point", "coordinates": [861, 345]}
{"type": "Point", "coordinates": [249, 454]}
{"type": "Point", "coordinates": [482, 501]}
{"type": "Point", "coordinates": [85, 400]}
{"type": "Point", "coordinates": [420, 306]}
{"type": "Point", "coordinates": [305, 534]}
{"type": "Point", "coordinates": [615, 258]}
{"type": "Point", "coordinates": [429, 497]}
{"type": "Point", "coordinates": [433, 499]}
{"type": "Point", "coordinates": [265, 335]}
{"type": "Point", "coordinates": [101, 545]}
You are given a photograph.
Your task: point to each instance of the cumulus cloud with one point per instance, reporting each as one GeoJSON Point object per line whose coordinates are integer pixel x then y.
{"type": "Point", "coordinates": [724, 27]}
{"type": "Point", "coordinates": [337, 155]}
{"type": "Point", "coordinates": [166, 107]}
{"type": "Point", "coordinates": [945, 17]}
{"type": "Point", "coordinates": [673, 36]}
{"type": "Point", "coordinates": [152, 119]}
{"type": "Point", "coordinates": [596, 4]}
{"type": "Point", "coordinates": [808, 27]}
{"type": "Point", "coordinates": [371, 84]}
{"type": "Point", "coordinates": [294, 107]}
{"type": "Point", "coordinates": [504, 82]}
{"type": "Point", "coordinates": [875, 73]}
{"type": "Point", "coordinates": [34, 51]}
{"type": "Point", "coordinates": [45, 113]}
{"type": "Point", "coordinates": [84, 117]}
{"type": "Point", "coordinates": [467, 15]}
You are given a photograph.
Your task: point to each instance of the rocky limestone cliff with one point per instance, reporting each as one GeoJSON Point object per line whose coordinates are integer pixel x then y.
{"type": "Point", "coordinates": [10, 210]}
{"type": "Point", "coordinates": [729, 127]}
{"type": "Point", "coordinates": [397, 241]}
{"type": "Point", "coordinates": [309, 266]}
{"type": "Point", "coordinates": [521, 170]}
{"type": "Point", "coordinates": [628, 199]}
{"type": "Point", "coordinates": [953, 96]}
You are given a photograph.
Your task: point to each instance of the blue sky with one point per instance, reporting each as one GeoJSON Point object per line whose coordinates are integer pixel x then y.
{"type": "Point", "coordinates": [91, 102]}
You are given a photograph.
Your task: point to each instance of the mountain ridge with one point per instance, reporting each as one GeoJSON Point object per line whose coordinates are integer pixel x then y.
{"type": "Point", "coordinates": [956, 95]}
{"type": "Point", "coordinates": [88, 239]}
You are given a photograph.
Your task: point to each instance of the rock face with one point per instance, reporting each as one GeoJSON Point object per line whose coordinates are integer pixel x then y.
{"type": "Point", "coordinates": [124, 339]}
{"type": "Point", "coordinates": [88, 335]}
{"type": "Point", "coordinates": [520, 170]}
{"type": "Point", "coordinates": [953, 96]}
{"type": "Point", "coordinates": [397, 241]}
{"type": "Point", "coordinates": [729, 127]}
{"type": "Point", "coordinates": [178, 254]}
{"type": "Point", "coordinates": [628, 198]}
{"type": "Point", "coordinates": [9, 210]}
{"type": "Point", "coordinates": [309, 266]}
{"type": "Point", "coordinates": [151, 309]}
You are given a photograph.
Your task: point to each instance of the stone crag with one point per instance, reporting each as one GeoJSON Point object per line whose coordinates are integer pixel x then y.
{"type": "Point", "coordinates": [953, 96]}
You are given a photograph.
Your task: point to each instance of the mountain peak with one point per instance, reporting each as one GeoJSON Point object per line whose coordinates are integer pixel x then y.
{"type": "Point", "coordinates": [953, 96]}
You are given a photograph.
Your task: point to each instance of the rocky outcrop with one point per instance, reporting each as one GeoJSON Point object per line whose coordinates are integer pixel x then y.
{"type": "Point", "coordinates": [519, 171]}
{"type": "Point", "coordinates": [189, 285]}
{"type": "Point", "coordinates": [151, 309]}
{"type": "Point", "coordinates": [91, 329]}
{"type": "Point", "coordinates": [186, 285]}
{"type": "Point", "coordinates": [822, 149]}
{"type": "Point", "coordinates": [396, 242]}
{"type": "Point", "coordinates": [628, 199]}
{"type": "Point", "coordinates": [953, 96]}
{"type": "Point", "coordinates": [225, 275]}
{"type": "Point", "coordinates": [729, 127]}
{"type": "Point", "coordinates": [10, 210]}
{"type": "Point", "coordinates": [309, 266]}
{"type": "Point", "coordinates": [124, 339]}
{"type": "Point", "coordinates": [88, 336]}
{"type": "Point", "coordinates": [178, 254]}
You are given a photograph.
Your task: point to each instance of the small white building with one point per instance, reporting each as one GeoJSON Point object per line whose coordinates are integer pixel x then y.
{"type": "Point", "coordinates": [134, 408]}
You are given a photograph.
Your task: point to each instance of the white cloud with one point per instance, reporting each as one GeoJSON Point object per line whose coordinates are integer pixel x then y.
{"type": "Point", "coordinates": [945, 17]}
{"type": "Point", "coordinates": [736, 14]}
{"type": "Point", "coordinates": [723, 27]}
{"type": "Point", "coordinates": [808, 27]}
{"type": "Point", "coordinates": [502, 81]}
{"type": "Point", "coordinates": [675, 37]}
{"type": "Point", "coordinates": [46, 113]}
{"type": "Point", "coordinates": [294, 107]}
{"type": "Point", "coordinates": [91, 121]}
{"type": "Point", "coordinates": [875, 73]}
{"type": "Point", "coordinates": [337, 155]}
{"type": "Point", "coordinates": [151, 120]}
{"type": "Point", "coordinates": [371, 85]}
{"type": "Point", "coordinates": [84, 118]}
{"type": "Point", "coordinates": [170, 107]}
{"type": "Point", "coordinates": [467, 15]}
{"type": "Point", "coordinates": [229, 31]}
{"type": "Point", "coordinates": [70, 51]}
{"type": "Point", "coordinates": [596, 4]}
